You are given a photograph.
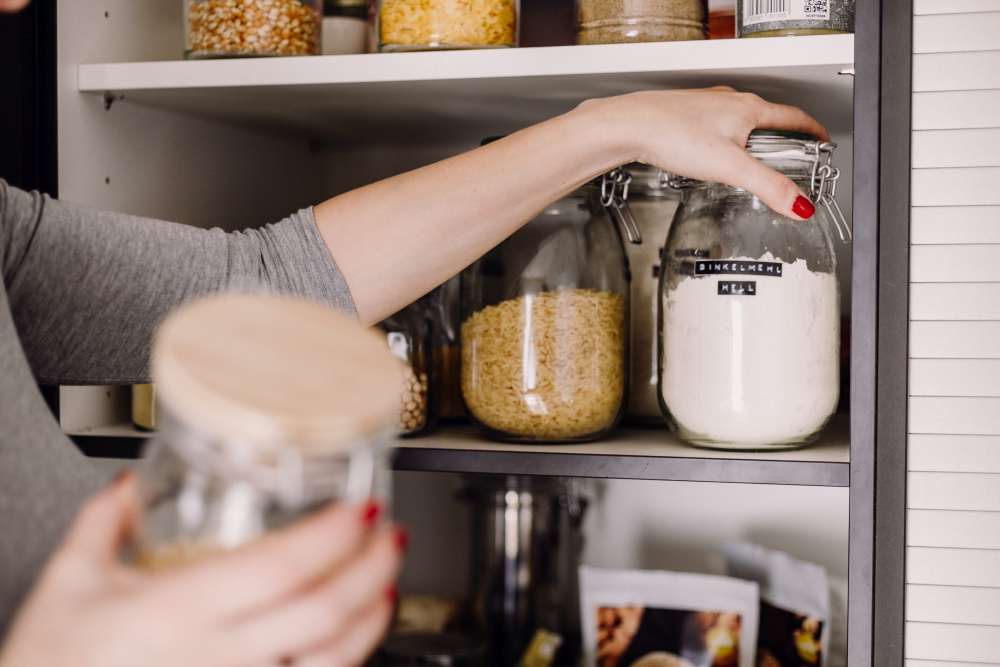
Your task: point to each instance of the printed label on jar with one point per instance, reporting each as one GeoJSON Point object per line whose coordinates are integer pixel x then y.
{"type": "Point", "coordinates": [737, 288]}
{"type": "Point", "coordinates": [717, 267]}
{"type": "Point", "coordinates": [766, 11]}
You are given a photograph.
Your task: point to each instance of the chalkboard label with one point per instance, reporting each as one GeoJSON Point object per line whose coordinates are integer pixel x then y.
{"type": "Point", "coordinates": [717, 267]}
{"type": "Point", "coordinates": [737, 288]}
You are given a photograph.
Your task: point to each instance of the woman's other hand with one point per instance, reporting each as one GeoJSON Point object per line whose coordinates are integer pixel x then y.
{"type": "Point", "coordinates": [318, 592]}
{"type": "Point", "coordinates": [703, 134]}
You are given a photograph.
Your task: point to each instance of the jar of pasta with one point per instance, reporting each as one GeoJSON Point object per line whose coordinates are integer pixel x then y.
{"type": "Point", "coordinates": [416, 25]}
{"type": "Point", "coordinates": [226, 28]}
{"type": "Point", "coordinates": [544, 333]}
{"type": "Point", "coordinates": [625, 21]}
{"type": "Point", "coordinates": [270, 407]}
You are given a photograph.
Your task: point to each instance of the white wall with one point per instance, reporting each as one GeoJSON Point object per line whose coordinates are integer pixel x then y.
{"type": "Point", "coordinates": [953, 527]}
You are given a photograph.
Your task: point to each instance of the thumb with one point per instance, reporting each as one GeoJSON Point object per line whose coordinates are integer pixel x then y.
{"type": "Point", "coordinates": [102, 524]}
{"type": "Point", "coordinates": [774, 189]}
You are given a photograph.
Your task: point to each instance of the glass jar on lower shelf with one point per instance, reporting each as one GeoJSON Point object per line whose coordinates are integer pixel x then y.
{"type": "Point", "coordinates": [262, 422]}
{"type": "Point", "coordinates": [545, 327]}
{"type": "Point", "coordinates": [225, 29]}
{"type": "Point", "coordinates": [420, 25]}
{"type": "Point", "coordinates": [626, 21]}
{"type": "Point", "coordinates": [787, 18]}
{"type": "Point", "coordinates": [750, 314]}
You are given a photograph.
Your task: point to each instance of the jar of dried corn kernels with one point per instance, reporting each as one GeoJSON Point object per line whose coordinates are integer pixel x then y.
{"type": "Point", "coordinates": [228, 28]}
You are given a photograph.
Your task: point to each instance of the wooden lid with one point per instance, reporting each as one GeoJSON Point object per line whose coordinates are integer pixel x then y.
{"type": "Point", "coordinates": [267, 369]}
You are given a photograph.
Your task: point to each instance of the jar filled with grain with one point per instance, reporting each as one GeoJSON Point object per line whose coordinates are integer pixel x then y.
{"type": "Point", "coordinates": [787, 18]}
{"type": "Point", "coordinates": [419, 25]}
{"type": "Point", "coordinates": [626, 21]}
{"type": "Point", "coordinates": [408, 335]}
{"type": "Point", "coordinates": [270, 407]}
{"type": "Point", "coordinates": [544, 335]}
{"type": "Point", "coordinates": [232, 28]}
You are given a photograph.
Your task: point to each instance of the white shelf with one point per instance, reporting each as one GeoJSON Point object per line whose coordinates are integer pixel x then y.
{"type": "Point", "coordinates": [404, 97]}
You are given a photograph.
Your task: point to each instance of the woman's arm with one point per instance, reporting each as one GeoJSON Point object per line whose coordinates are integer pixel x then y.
{"type": "Point", "coordinates": [397, 239]}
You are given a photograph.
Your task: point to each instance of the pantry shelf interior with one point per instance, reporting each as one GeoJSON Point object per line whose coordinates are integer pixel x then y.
{"type": "Point", "coordinates": [434, 95]}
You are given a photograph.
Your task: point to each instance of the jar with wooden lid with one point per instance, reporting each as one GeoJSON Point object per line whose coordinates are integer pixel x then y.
{"type": "Point", "coordinates": [270, 407]}
{"type": "Point", "coordinates": [226, 29]}
{"type": "Point", "coordinates": [626, 21]}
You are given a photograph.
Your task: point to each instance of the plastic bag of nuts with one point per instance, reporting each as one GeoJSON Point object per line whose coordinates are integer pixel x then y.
{"type": "Point", "coordinates": [224, 28]}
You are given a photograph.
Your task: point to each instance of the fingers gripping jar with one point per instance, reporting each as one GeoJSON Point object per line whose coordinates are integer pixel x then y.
{"type": "Point", "coordinates": [270, 408]}
{"type": "Point", "coordinates": [750, 308]}
{"type": "Point", "coordinates": [545, 322]}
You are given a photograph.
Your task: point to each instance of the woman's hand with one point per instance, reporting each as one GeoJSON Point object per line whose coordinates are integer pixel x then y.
{"type": "Point", "coordinates": [319, 592]}
{"type": "Point", "coordinates": [703, 134]}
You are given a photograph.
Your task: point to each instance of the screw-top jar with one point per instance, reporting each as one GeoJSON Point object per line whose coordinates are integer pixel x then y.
{"type": "Point", "coordinates": [225, 28]}
{"type": "Point", "coordinates": [270, 407]}
{"type": "Point", "coordinates": [625, 21]}
{"type": "Point", "coordinates": [781, 18]}
{"type": "Point", "coordinates": [545, 323]}
{"type": "Point", "coordinates": [750, 315]}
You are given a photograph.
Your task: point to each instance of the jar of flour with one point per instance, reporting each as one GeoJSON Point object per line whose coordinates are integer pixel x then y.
{"type": "Point", "coordinates": [749, 325]}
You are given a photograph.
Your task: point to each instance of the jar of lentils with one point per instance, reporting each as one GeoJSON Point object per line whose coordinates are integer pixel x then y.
{"type": "Point", "coordinates": [782, 18]}
{"type": "Point", "coordinates": [232, 28]}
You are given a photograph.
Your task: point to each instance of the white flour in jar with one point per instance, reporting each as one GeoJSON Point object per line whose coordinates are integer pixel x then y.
{"type": "Point", "coordinates": [752, 371]}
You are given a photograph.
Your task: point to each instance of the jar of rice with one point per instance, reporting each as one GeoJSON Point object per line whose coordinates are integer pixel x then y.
{"type": "Point", "coordinates": [545, 323]}
{"type": "Point", "coordinates": [418, 25]}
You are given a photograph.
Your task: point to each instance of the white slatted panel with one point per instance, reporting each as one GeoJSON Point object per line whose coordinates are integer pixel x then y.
{"type": "Point", "coordinates": [957, 187]}
{"type": "Point", "coordinates": [954, 453]}
{"type": "Point", "coordinates": [977, 70]}
{"type": "Point", "coordinates": [955, 416]}
{"type": "Point", "coordinates": [956, 32]}
{"type": "Point", "coordinates": [921, 7]}
{"type": "Point", "coordinates": [941, 663]}
{"type": "Point", "coordinates": [955, 340]}
{"type": "Point", "coordinates": [953, 567]}
{"type": "Point", "coordinates": [955, 263]}
{"type": "Point", "coordinates": [962, 643]}
{"type": "Point", "coordinates": [955, 377]}
{"type": "Point", "coordinates": [956, 110]}
{"type": "Point", "coordinates": [953, 491]}
{"type": "Point", "coordinates": [952, 529]}
{"type": "Point", "coordinates": [932, 225]}
{"type": "Point", "coordinates": [953, 604]}
{"type": "Point", "coordinates": [935, 301]}
{"type": "Point", "coordinates": [957, 148]}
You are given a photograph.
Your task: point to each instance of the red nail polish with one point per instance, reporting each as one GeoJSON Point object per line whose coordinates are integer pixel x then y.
{"type": "Point", "coordinates": [803, 207]}
{"type": "Point", "coordinates": [370, 513]}
{"type": "Point", "coordinates": [392, 594]}
{"type": "Point", "coordinates": [402, 539]}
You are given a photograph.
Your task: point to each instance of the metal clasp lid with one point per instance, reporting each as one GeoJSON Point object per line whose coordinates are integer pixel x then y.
{"type": "Point", "coordinates": [823, 188]}
{"type": "Point", "coordinates": [614, 197]}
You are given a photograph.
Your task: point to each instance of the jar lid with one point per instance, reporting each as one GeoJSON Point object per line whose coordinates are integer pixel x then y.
{"type": "Point", "coordinates": [781, 143]}
{"type": "Point", "coordinates": [266, 369]}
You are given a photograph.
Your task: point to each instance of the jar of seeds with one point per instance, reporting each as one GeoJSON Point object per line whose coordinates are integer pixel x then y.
{"type": "Point", "coordinates": [227, 28]}
{"type": "Point", "coordinates": [783, 18]}
{"type": "Point", "coordinates": [624, 21]}
{"type": "Point", "coordinates": [408, 335]}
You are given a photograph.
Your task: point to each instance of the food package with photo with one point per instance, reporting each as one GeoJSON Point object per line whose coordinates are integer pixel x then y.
{"type": "Point", "coordinates": [640, 618]}
{"type": "Point", "coordinates": [794, 605]}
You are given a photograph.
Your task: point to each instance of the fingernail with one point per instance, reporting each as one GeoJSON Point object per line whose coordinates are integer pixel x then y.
{"type": "Point", "coordinates": [803, 208]}
{"type": "Point", "coordinates": [370, 513]}
{"type": "Point", "coordinates": [402, 539]}
{"type": "Point", "coordinates": [392, 594]}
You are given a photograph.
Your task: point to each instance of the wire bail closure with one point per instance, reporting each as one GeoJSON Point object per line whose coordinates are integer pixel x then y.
{"type": "Point", "coordinates": [614, 197]}
{"type": "Point", "coordinates": [824, 188]}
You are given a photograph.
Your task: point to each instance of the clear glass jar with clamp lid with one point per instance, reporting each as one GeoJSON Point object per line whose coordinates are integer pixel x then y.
{"type": "Point", "coordinates": [750, 307]}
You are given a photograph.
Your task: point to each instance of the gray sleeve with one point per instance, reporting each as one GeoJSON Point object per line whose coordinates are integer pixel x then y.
{"type": "Point", "coordinates": [87, 288]}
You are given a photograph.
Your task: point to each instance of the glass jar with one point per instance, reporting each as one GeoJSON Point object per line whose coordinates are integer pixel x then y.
{"type": "Point", "coordinates": [345, 27]}
{"type": "Point", "coordinates": [545, 324]}
{"type": "Point", "coordinates": [223, 28]}
{"type": "Point", "coordinates": [444, 305]}
{"type": "Point", "coordinates": [270, 407]}
{"type": "Point", "coordinates": [418, 25]}
{"type": "Point", "coordinates": [653, 203]}
{"type": "Point", "coordinates": [782, 18]}
{"type": "Point", "coordinates": [408, 335]}
{"type": "Point", "coordinates": [625, 21]}
{"type": "Point", "coordinates": [750, 314]}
